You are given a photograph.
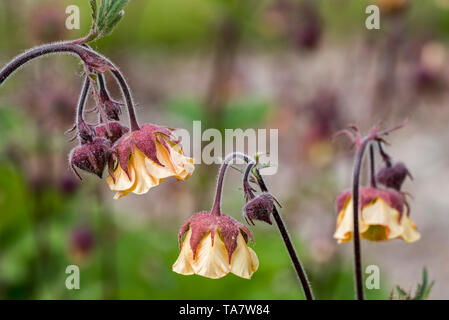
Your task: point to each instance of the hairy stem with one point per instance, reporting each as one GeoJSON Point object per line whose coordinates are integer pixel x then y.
{"type": "Point", "coordinates": [356, 233]}
{"type": "Point", "coordinates": [288, 243]}
{"type": "Point", "coordinates": [82, 52]}
{"type": "Point", "coordinates": [82, 101]}
{"type": "Point", "coordinates": [372, 167]}
{"type": "Point", "coordinates": [216, 208]}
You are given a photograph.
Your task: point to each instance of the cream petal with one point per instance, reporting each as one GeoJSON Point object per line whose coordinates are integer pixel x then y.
{"type": "Point", "coordinates": [144, 180]}
{"type": "Point", "coordinates": [345, 223]}
{"type": "Point", "coordinates": [244, 261]}
{"type": "Point", "coordinates": [122, 181]}
{"type": "Point", "coordinates": [410, 234]}
{"type": "Point", "coordinates": [157, 171]}
{"type": "Point", "coordinates": [379, 213]}
{"type": "Point", "coordinates": [211, 260]}
{"type": "Point", "coordinates": [183, 265]}
{"type": "Point", "coordinates": [181, 166]}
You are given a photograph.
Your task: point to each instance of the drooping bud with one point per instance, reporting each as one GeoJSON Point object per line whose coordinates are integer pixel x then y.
{"type": "Point", "coordinates": [91, 157]}
{"type": "Point", "coordinates": [112, 108]}
{"type": "Point", "coordinates": [393, 176]}
{"type": "Point", "coordinates": [260, 208]}
{"type": "Point", "coordinates": [85, 132]}
{"type": "Point", "coordinates": [115, 128]}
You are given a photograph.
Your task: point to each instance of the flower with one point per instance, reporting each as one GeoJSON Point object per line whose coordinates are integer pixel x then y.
{"type": "Point", "coordinates": [382, 217]}
{"type": "Point", "coordinates": [213, 246]}
{"type": "Point", "coordinates": [145, 158]}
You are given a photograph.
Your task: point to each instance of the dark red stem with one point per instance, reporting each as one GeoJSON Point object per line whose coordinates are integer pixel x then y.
{"type": "Point", "coordinates": [67, 47]}
{"type": "Point", "coordinates": [300, 271]}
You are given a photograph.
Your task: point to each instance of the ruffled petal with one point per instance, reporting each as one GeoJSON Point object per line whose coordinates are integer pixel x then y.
{"type": "Point", "coordinates": [409, 234]}
{"type": "Point", "coordinates": [383, 221]}
{"type": "Point", "coordinates": [122, 181]}
{"type": "Point", "coordinates": [183, 264]}
{"type": "Point", "coordinates": [211, 260]}
{"type": "Point", "coordinates": [244, 261]}
{"type": "Point", "coordinates": [181, 166]}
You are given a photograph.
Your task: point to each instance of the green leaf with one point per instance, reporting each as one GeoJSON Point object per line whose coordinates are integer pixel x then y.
{"type": "Point", "coordinates": [106, 17]}
{"type": "Point", "coordinates": [93, 7]}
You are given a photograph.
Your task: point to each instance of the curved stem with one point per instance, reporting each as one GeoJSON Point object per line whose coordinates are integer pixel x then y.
{"type": "Point", "coordinates": [82, 101]}
{"type": "Point", "coordinates": [216, 208]}
{"type": "Point", "coordinates": [247, 189]}
{"type": "Point", "coordinates": [372, 167]}
{"type": "Point", "coordinates": [288, 243]}
{"type": "Point", "coordinates": [356, 233]}
{"type": "Point", "coordinates": [83, 53]}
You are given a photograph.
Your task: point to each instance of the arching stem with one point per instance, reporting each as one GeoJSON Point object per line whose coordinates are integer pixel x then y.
{"type": "Point", "coordinates": [83, 53]}
{"type": "Point", "coordinates": [216, 208]}
{"type": "Point", "coordinates": [82, 101]}
{"type": "Point", "coordinates": [300, 271]}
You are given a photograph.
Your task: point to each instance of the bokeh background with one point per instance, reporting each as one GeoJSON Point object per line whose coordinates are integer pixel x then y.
{"type": "Point", "coordinates": [307, 68]}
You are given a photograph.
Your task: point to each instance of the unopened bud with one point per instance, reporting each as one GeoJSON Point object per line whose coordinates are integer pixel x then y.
{"type": "Point", "coordinates": [393, 176]}
{"type": "Point", "coordinates": [259, 208]}
{"type": "Point", "coordinates": [91, 157]}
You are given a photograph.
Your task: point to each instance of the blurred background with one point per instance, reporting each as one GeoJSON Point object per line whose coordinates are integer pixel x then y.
{"type": "Point", "coordinates": [307, 68]}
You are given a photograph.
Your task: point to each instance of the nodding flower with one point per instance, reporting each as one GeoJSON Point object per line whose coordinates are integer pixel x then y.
{"type": "Point", "coordinates": [213, 246]}
{"type": "Point", "coordinates": [216, 244]}
{"type": "Point", "coordinates": [145, 157]}
{"type": "Point", "coordinates": [382, 216]}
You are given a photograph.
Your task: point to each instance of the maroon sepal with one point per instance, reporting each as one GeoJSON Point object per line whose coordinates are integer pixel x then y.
{"type": "Point", "coordinates": [115, 128]}
{"type": "Point", "coordinates": [85, 132]}
{"type": "Point", "coordinates": [393, 176]}
{"type": "Point", "coordinates": [203, 223]}
{"type": "Point", "coordinates": [145, 140]}
{"type": "Point", "coordinates": [91, 157]}
{"type": "Point", "coordinates": [259, 208]}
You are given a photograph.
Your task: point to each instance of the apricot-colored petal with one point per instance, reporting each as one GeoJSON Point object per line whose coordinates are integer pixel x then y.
{"type": "Point", "coordinates": [122, 181]}
{"type": "Point", "coordinates": [183, 264]}
{"type": "Point", "coordinates": [211, 259]}
{"type": "Point", "coordinates": [244, 261]}
{"type": "Point", "coordinates": [379, 213]}
{"type": "Point", "coordinates": [345, 223]}
{"type": "Point", "coordinates": [409, 234]}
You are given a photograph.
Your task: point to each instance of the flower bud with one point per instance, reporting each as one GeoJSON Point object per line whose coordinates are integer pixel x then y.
{"type": "Point", "coordinates": [85, 132]}
{"type": "Point", "coordinates": [115, 128]}
{"type": "Point", "coordinates": [112, 108]}
{"type": "Point", "coordinates": [393, 176]}
{"type": "Point", "coordinates": [91, 157]}
{"type": "Point", "coordinates": [259, 208]}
